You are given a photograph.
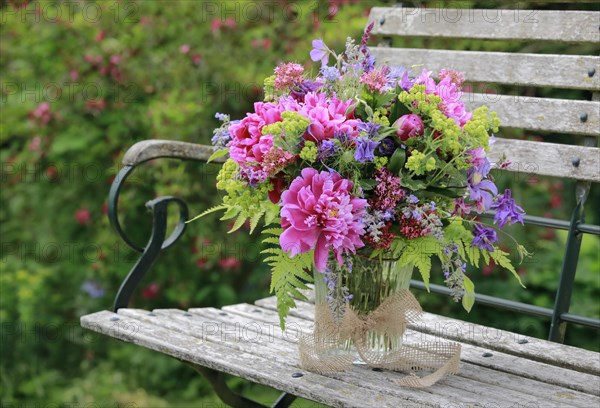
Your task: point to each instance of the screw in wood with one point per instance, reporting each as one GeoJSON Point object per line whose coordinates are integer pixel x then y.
{"type": "Point", "coordinates": [114, 319]}
{"type": "Point", "coordinates": [186, 314]}
{"type": "Point", "coordinates": [382, 20]}
{"type": "Point", "coordinates": [591, 72]}
{"type": "Point", "coordinates": [377, 369]}
{"type": "Point", "coordinates": [223, 314]}
{"type": "Point", "coordinates": [297, 375]}
{"type": "Point", "coordinates": [151, 314]}
{"type": "Point", "coordinates": [256, 311]}
{"type": "Point", "coordinates": [583, 117]}
{"type": "Point", "coordinates": [576, 161]}
{"type": "Point", "coordinates": [523, 341]}
{"type": "Point", "coordinates": [487, 354]}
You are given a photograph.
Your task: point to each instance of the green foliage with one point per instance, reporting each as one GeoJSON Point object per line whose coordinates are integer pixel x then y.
{"type": "Point", "coordinates": [288, 274]}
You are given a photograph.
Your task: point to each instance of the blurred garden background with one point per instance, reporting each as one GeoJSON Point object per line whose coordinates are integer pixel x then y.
{"type": "Point", "coordinates": [84, 80]}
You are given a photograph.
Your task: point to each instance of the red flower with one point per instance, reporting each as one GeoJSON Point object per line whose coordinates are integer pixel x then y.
{"type": "Point", "coordinates": [151, 291]}
{"type": "Point", "coordinates": [82, 216]}
{"type": "Point", "coordinates": [229, 263]}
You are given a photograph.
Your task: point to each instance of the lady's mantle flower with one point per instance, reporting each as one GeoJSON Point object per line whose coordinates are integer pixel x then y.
{"type": "Point", "coordinates": [320, 52]}
{"type": "Point", "coordinates": [507, 211]}
{"type": "Point", "coordinates": [484, 238]}
{"type": "Point", "coordinates": [318, 212]}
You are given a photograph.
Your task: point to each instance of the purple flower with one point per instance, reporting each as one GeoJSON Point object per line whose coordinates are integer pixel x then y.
{"type": "Point", "coordinates": [365, 149]}
{"type": "Point", "coordinates": [300, 91]}
{"type": "Point", "coordinates": [387, 146]}
{"type": "Point", "coordinates": [222, 116]}
{"type": "Point", "coordinates": [405, 82]}
{"type": "Point", "coordinates": [320, 52]}
{"type": "Point", "coordinates": [481, 190]}
{"type": "Point", "coordinates": [92, 288]}
{"type": "Point", "coordinates": [326, 149]}
{"type": "Point", "coordinates": [484, 237]}
{"type": "Point", "coordinates": [371, 129]}
{"type": "Point", "coordinates": [330, 73]}
{"type": "Point", "coordinates": [507, 211]}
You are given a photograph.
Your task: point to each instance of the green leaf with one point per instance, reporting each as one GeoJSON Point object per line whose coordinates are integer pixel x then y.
{"type": "Point", "coordinates": [288, 275]}
{"type": "Point", "coordinates": [412, 184]}
{"type": "Point", "coordinates": [419, 252]}
{"type": "Point", "coordinates": [367, 184]}
{"type": "Point", "coordinates": [448, 192]}
{"type": "Point", "coordinates": [217, 154]}
{"type": "Point", "coordinates": [254, 221]}
{"type": "Point", "coordinates": [397, 161]}
{"type": "Point", "coordinates": [468, 298]}
{"type": "Point", "coordinates": [238, 223]}
{"type": "Point", "coordinates": [398, 108]}
{"type": "Point", "coordinates": [501, 258]}
{"type": "Point", "coordinates": [230, 213]}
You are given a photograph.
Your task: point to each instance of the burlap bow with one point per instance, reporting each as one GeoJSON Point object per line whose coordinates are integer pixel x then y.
{"type": "Point", "coordinates": [323, 350]}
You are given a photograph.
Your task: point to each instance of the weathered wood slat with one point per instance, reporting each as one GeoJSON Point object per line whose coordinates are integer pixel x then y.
{"type": "Point", "coordinates": [262, 370]}
{"type": "Point", "coordinates": [494, 24]}
{"type": "Point", "coordinates": [548, 159]}
{"type": "Point", "coordinates": [560, 71]}
{"type": "Point", "coordinates": [518, 373]}
{"type": "Point", "coordinates": [542, 114]}
{"type": "Point", "coordinates": [154, 149]}
{"type": "Point", "coordinates": [547, 352]}
{"type": "Point", "coordinates": [505, 388]}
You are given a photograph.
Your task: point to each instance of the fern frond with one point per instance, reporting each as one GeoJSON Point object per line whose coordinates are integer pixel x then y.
{"type": "Point", "coordinates": [210, 210]}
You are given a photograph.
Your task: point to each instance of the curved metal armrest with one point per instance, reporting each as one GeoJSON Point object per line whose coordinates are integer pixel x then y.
{"type": "Point", "coordinates": [138, 154]}
{"type": "Point", "coordinates": [153, 149]}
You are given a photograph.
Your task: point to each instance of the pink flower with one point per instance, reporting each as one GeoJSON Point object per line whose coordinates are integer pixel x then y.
{"type": "Point", "coordinates": [248, 144]}
{"type": "Point", "coordinates": [409, 125]}
{"type": "Point", "coordinates": [449, 89]}
{"type": "Point", "coordinates": [82, 216]}
{"type": "Point", "coordinates": [288, 75]}
{"type": "Point", "coordinates": [318, 212]}
{"type": "Point", "coordinates": [327, 117]}
{"type": "Point", "coordinates": [229, 263]}
{"type": "Point", "coordinates": [184, 49]}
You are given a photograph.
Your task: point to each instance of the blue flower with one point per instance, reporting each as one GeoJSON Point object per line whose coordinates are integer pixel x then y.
{"type": "Point", "coordinates": [387, 146]}
{"type": "Point", "coordinates": [484, 237]}
{"type": "Point", "coordinates": [370, 129]}
{"type": "Point", "coordinates": [330, 73]}
{"type": "Point", "coordinates": [326, 149]}
{"type": "Point", "coordinates": [507, 211]}
{"type": "Point", "coordinates": [93, 289]}
{"type": "Point", "coordinates": [365, 149]}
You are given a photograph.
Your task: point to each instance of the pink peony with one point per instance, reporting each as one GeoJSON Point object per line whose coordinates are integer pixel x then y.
{"type": "Point", "coordinates": [248, 144]}
{"type": "Point", "coordinates": [319, 213]}
{"type": "Point", "coordinates": [327, 116]}
{"type": "Point", "coordinates": [408, 126]}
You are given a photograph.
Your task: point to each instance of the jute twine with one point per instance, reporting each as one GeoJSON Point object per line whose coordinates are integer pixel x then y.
{"type": "Point", "coordinates": [320, 351]}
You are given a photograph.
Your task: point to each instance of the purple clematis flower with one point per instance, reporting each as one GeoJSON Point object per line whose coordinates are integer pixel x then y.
{"type": "Point", "coordinates": [320, 52]}
{"type": "Point", "coordinates": [507, 211]}
{"type": "Point", "coordinates": [484, 237]}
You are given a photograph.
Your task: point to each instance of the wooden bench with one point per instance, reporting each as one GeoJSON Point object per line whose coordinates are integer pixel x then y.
{"type": "Point", "coordinates": [498, 368]}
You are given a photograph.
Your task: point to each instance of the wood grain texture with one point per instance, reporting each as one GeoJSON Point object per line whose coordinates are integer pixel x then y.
{"type": "Point", "coordinates": [259, 369]}
{"type": "Point", "coordinates": [560, 71]}
{"type": "Point", "coordinates": [548, 159]}
{"type": "Point", "coordinates": [550, 353]}
{"type": "Point", "coordinates": [493, 24]}
{"type": "Point", "coordinates": [498, 367]}
{"type": "Point", "coordinates": [245, 340]}
{"type": "Point", "coordinates": [543, 114]}
{"type": "Point", "coordinates": [154, 149]}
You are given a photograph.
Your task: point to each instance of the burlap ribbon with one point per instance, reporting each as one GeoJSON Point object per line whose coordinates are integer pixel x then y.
{"type": "Point", "coordinates": [323, 350]}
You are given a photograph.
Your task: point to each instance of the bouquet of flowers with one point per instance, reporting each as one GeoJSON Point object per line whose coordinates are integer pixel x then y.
{"type": "Point", "coordinates": [365, 159]}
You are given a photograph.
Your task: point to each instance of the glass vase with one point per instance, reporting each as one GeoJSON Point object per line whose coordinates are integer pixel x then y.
{"type": "Point", "coordinates": [362, 285]}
